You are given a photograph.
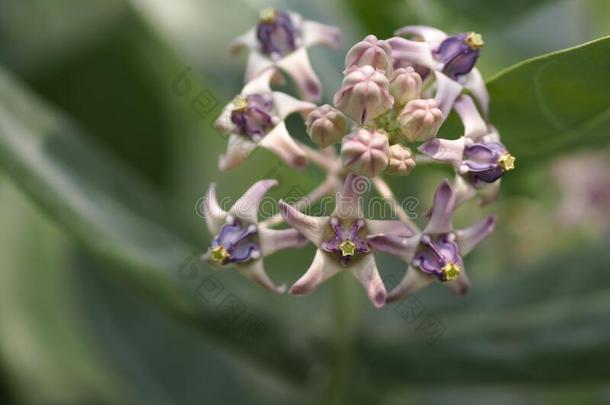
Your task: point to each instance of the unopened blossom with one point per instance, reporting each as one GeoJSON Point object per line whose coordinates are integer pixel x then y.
{"type": "Point", "coordinates": [450, 58]}
{"type": "Point", "coordinates": [437, 252]}
{"type": "Point", "coordinates": [239, 241]}
{"type": "Point", "coordinates": [364, 94]}
{"type": "Point", "coordinates": [326, 125]}
{"type": "Point", "coordinates": [281, 39]}
{"type": "Point", "coordinates": [478, 157]}
{"type": "Point", "coordinates": [405, 85]}
{"type": "Point", "coordinates": [420, 120]}
{"type": "Point", "coordinates": [401, 161]}
{"type": "Point", "coordinates": [256, 118]}
{"type": "Point", "coordinates": [341, 239]}
{"type": "Point", "coordinates": [365, 152]}
{"type": "Point", "coordinates": [372, 52]}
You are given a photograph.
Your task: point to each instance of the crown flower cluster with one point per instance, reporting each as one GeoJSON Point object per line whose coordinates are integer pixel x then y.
{"type": "Point", "coordinates": [385, 119]}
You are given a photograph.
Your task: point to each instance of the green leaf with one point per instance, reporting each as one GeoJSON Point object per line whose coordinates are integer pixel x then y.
{"type": "Point", "coordinates": [554, 102]}
{"type": "Point", "coordinates": [113, 214]}
{"type": "Point", "coordinates": [490, 12]}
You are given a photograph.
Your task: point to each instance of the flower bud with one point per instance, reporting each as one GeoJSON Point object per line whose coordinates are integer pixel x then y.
{"type": "Point", "coordinates": [365, 152]}
{"type": "Point", "coordinates": [364, 94]}
{"type": "Point", "coordinates": [326, 125]}
{"type": "Point", "coordinates": [372, 52]}
{"type": "Point", "coordinates": [420, 120]}
{"type": "Point", "coordinates": [405, 85]}
{"type": "Point", "coordinates": [401, 161]}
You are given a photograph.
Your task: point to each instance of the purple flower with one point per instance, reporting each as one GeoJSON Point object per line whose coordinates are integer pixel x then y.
{"type": "Point", "coordinates": [478, 157]}
{"type": "Point", "coordinates": [450, 58]}
{"type": "Point", "coordinates": [437, 252]}
{"type": "Point", "coordinates": [281, 39]}
{"type": "Point", "coordinates": [256, 118]}
{"type": "Point", "coordinates": [239, 241]}
{"type": "Point", "coordinates": [342, 242]}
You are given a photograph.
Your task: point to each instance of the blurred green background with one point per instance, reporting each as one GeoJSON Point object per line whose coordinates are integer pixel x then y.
{"type": "Point", "coordinates": [102, 162]}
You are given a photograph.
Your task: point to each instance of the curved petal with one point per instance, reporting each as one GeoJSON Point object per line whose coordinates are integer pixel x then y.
{"type": "Point", "coordinates": [246, 208]}
{"type": "Point", "coordinates": [490, 192]}
{"type": "Point", "coordinates": [313, 228]}
{"type": "Point", "coordinates": [256, 64]}
{"type": "Point", "coordinates": [238, 149]}
{"type": "Point", "coordinates": [474, 125]}
{"type": "Point", "coordinates": [321, 269]}
{"type": "Point", "coordinates": [442, 210]}
{"type": "Point", "coordinates": [214, 214]}
{"type": "Point", "coordinates": [223, 123]}
{"type": "Point", "coordinates": [395, 245]}
{"type": "Point", "coordinates": [281, 143]}
{"type": "Point", "coordinates": [459, 286]}
{"type": "Point", "coordinates": [273, 240]}
{"type": "Point", "coordinates": [286, 105]}
{"type": "Point", "coordinates": [245, 41]}
{"type": "Point", "coordinates": [255, 271]}
{"type": "Point", "coordinates": [444, 150]}
{"type": "Point", "coordinates": [413, 281]}
{"type": "Point", "coordinates": [447, 90]}
{"type": "Point", "coordinates": [315, 33]}
{"type": "Point", "coordinates": [463, 190]}
{"type": "Point", "coordinates": [349, 199]}
{"type": "Point", "coordinates": [366, 272]}
{"type": "Point", "coordinates": [470, 237]}
{"type": "Point", "coordinates": [412, 52]}
{"type": "Point", "coordinates": [297, 65]}
{"type": "Point", "coordinates": [260, 83]}
{"type": "Point", "coordinates": [429, 34]}
{"type": "Point", "coordinates": [475, 84]}
{"type": "Point", "coordinates": [388, 227]}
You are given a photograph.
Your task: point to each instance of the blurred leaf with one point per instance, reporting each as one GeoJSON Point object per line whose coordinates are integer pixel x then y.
{"type": "Point", "coordinates": [112, 213]}
{"type": "Point", "coordinates": [525, 328]}
{"type": "Point", "coordinates": [554, 102]}
{"type": "Point", "coordinates": [492, 12]}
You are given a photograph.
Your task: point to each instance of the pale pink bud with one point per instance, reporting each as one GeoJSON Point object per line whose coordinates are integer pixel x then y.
{"type": "Point", "coordinates": [420, 120]}
{"type": "Point", "coordinates": [364, 94]}
{"type": "Point", "coordinates": [370, 51]}
{"type": "Point", "coordinates": [326, 125]}
{"type": "Point", "coordinates": [365, 152]}
{"type": "Point", "coordinates": [405, 85]}
{"type": "Point", "coordinates": [401, 161]}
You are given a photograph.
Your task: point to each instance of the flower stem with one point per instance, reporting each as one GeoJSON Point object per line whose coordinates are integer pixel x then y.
{"type": "Point", "coordinates": [384, 190]}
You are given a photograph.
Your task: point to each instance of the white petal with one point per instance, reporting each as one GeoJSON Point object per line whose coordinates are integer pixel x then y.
{"type": "Point", "coordinates": [322, 268]}
{"type": "Point", "coordinates": [246, 208]}
{"type": "Point", "coordinates": [447, 90]}
{"type": "Point", "coordinates": [366, 272]}
{"type": "Point", "coordinates": [260, 83]}
{"type": "Point", "coordinates": [223, 123]}
{"type": "Point", "coordinates": [255, 271]}
{"type": "Point", "coordinates": [279, 141]}
{"type": "Point", "coordinates": [313, 228]}
{"type": "Point", "coordinates": [429, 34]}
{"type": "Point", "coordinates": [395, 245]}
{"type": "Point", "coordinates": [388, 227]}
{"type": "Point", "coordinates": [467, 239]}
{"type": "Point", "coordinates": [214, 214]}
{"type": "Point", "coordinates": [413, 281]}
{"type": "Point", "coordinates": [475, 84]}
{"type": "Point", "coordinates": [244, 41]}
{"type": "Point", "coordinates": [349, 199]}
{"type": "Point", "coordinates": [444, 150]}
{"type": "Point", "coordinates": [413, 52]}
{"type": "Point", "coordinates": [490, 192]}
{"type": "Point", "coordinates": [238, 149]}
{"type": "Point", "coordinates": [256, 65]}
{"type": "Point", "coordinates": [316, 33]}
{"type": "Point", "coordinates": [273, 240]}
{"type": "Point", "coordinates": [463, 190]}
{"type": "Point", "coordinates": [474, 125]}
{"type": "Point", "coordinates": [286, 105]}
{"type": "Point", "coordinates": [297, 65]}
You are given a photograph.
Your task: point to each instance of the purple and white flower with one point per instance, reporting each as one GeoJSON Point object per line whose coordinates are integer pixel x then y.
{"type": "Point", "coordinates": [478, 157]}
{"type": "Point", "coordinates": [256, 118]}
{"type": "Point", "coordinates": [450, 58]}
{"type": "Point", "coordinates": [239, 241]}
{"type": "Point", "coordinates": [281, 39]}
{"type": "Point", "coordinates": [437, 252]}
{"type": "Point", "coordinates": [342, 241]}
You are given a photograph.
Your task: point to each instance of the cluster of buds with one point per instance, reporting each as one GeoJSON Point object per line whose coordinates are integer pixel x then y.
{"type": "Point", "coordinates": [395, 95]}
